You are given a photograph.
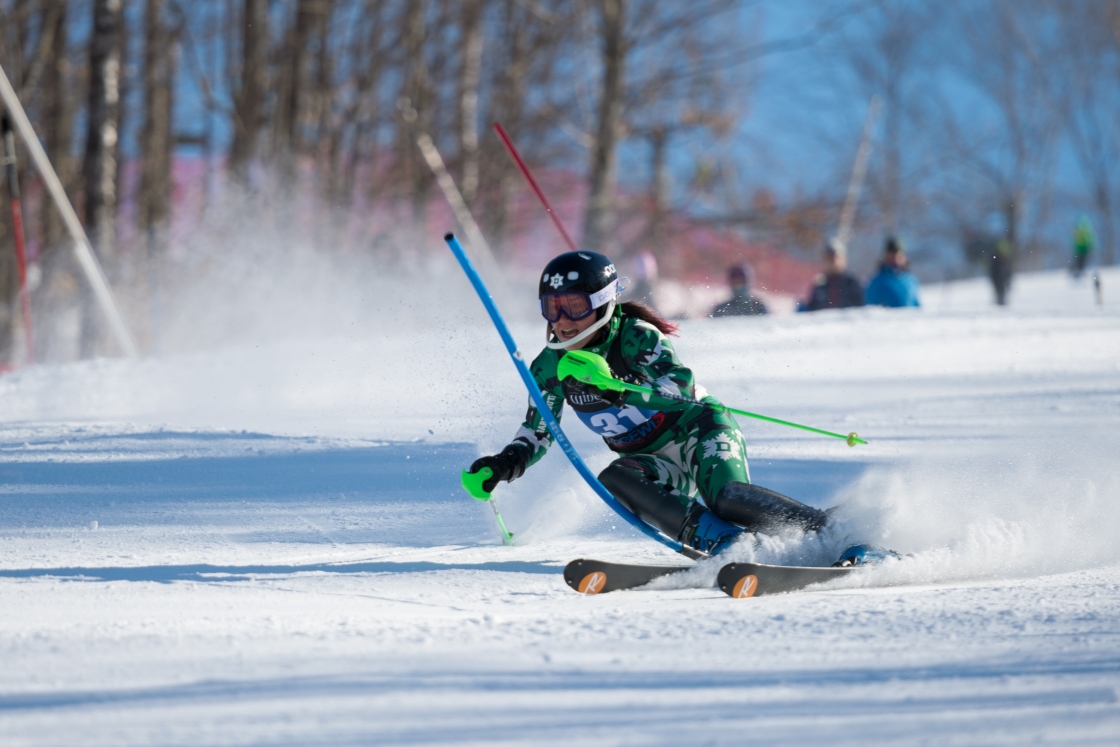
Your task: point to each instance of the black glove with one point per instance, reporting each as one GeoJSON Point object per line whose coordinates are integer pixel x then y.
{"type": "Point", "coordinates": [607, 395]}
{"type": "Point", "coordinates": [508, 466]}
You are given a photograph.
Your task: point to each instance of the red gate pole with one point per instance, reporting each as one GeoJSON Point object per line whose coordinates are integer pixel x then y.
{"type": "Point", "coordinates": [533, 183]}
{"type": "Point", "coordinates": [17, 230]}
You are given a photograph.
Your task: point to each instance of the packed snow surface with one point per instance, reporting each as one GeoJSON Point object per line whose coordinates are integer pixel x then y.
{"type": "Point", "coordinates": [265, 542]}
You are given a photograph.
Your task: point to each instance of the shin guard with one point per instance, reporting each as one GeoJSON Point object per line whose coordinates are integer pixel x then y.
{"type": "Point", "coordinates": [760, 510]}
{"type": "Point", "coordinates": [646, 499]}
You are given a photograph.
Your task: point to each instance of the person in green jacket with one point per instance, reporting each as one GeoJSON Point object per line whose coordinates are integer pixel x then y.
{"type": "Point", "coordinates": [681, 468]}
{"type": "Point", "coordinates": [1083, 241]}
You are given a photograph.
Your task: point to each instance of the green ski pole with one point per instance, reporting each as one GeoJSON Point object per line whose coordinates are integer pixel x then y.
{"type": "Point", "coordinates": [592, 369]}
{"type": "Point", "coordinates": [472, 483]}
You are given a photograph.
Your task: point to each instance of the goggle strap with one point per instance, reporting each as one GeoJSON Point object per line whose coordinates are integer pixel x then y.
{"type": "Point", "coordinates": [608, 293]}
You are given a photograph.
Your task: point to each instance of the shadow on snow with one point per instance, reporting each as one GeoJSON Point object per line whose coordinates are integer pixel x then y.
{"type": "Point", "coordinates": [211, 573]}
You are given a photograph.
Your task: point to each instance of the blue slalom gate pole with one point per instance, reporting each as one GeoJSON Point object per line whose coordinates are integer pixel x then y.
{"type": "Point", "coordinates": [542, 406]}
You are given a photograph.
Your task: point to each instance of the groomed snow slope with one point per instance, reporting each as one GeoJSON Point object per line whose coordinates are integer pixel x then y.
{"type": "Point", "coordinates": [282, 554]}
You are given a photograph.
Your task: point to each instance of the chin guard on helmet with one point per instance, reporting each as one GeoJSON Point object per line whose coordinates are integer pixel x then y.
{"type": "Point", "coordinates": [605, 320]}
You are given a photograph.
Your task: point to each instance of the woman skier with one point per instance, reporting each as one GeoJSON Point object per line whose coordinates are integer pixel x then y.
{"type": "Point", "coordinates": [668, 451]}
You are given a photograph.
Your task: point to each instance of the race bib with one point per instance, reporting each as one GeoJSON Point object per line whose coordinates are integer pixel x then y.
{"type": "Point", "coordinates": [615, 421]}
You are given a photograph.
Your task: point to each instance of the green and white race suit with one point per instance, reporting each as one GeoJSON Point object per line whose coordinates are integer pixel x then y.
{"type": "Point", "coordinates": [688, 449]}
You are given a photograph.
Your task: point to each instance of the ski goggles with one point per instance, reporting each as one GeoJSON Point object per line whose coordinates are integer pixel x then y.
{"type": "Point", "coordinates": [575, 305]}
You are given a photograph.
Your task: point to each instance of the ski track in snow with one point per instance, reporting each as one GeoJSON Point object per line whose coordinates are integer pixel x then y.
{"type": "Point", "coordinates": [283, 556]}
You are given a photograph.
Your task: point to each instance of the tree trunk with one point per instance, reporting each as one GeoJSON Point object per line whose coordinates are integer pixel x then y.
{"type": "Point", "coordinates": [324, 84]}
{"type": "Point", "coordinates": [893, 154]}
{"type": "Point", "coordinates": [57, 121]}
{"type": "Point", "coordinates": [598, 223]}
{"type": "Point", "coordinates": [249, 98]}
{"type": "Point", "coordinates": [363, 111]}
{"type": "Point", "coordinates": [154, 200]}
{"type": "Point", "coordinates": [9, 277]}
{"type": "Point", "coordinates": [510, 107]}
{"type": "Point", "coordinates": [288, 139]}
{"type": "Point", "coordinates": [469, 79]}
{"type": "Point", "coordinates": [659, 194]}
{"type": "Point", "coordinates": [1011, 216]}
{"type": "Point", "coordinates": [329, 130]}
{"type": "Point", "coordinates": [415, 93]}
{"type": "Point", "coordinates": [159, 74]}
{"type": "Point", "coordinates": [13, 41]}
{"type": "Point", "coordinates": [102, 137]}
{"type": "Point", "coordinates": [1107, 244]}
{"type": "Point", "coordinates": [60, 274]}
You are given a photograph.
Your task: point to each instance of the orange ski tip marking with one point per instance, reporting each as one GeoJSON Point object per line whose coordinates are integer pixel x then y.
{"type": "Point", "coordinates": [593, 583]}
{"type": "Point", "coordinates": [745, 587]}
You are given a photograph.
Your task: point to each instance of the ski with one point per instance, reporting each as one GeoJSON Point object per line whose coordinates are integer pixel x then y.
{"type": "Point", "coordinates": [742, 580]}
{"type": "Point", "coordinates": [599, 577]}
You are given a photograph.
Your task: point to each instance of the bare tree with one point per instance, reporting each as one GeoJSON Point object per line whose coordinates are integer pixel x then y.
{"type": "Point", "coordinates": [1004, 147]}
{"type": "Point", "coordinates": [661, 77]}
{"type": "Point", "coordinates": [156, 136]}
{"type": "Point", "coordinates": [323, 91]}
{"type": "Point", "coordinates": [598, 221]}
{"type": "Point", "coordinates": [416, 95]}
{"type": "Point", "coordinates": [102, 142]}
{"type": "Point", "coordinates": [56, 117]}
{"type": "Point", "coordinates": [156, 143]}
{"type": "Point", "coordinates": [678, 89]}
{"type": "Point", "coordinates": [309, 24]}
{"type": "Point", "coordinates": [529, 40]}
{"type": "Point", "coordinates": [354, 138]}
{"type": "Point", "coordinates": [1086, 60]}
{"type": "Point", "coordinates": [15, 32]}
{"type": "Point", "coordinates": [469, 80]}
{"type": "Point", "coordinates": [249, 83]}
{"type": "Point", "coordinates": [885, 53]}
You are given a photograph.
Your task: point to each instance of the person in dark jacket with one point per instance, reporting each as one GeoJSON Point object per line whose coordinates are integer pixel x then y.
{"type": "Point", "coordinates": [835, 288]}
{"type": "Point", "coordinates": [895, 286]}
{"type": "Point", "coordinates": [1001, 268]}
{"type": "Point", "coordinates": [741, 303]}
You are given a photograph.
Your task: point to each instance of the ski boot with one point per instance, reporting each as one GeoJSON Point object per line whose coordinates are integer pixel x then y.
{"type": "Point", "coordinates": [706, 532]}
{"type": "Point", "coordinates": [864, 555]}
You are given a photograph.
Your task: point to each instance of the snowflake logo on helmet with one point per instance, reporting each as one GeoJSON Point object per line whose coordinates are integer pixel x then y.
{"type": "Point", "coordinates": [557, 280]}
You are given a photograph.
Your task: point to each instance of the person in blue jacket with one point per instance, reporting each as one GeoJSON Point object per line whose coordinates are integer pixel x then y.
{"type": "Point", "coordinates": [894, 286]}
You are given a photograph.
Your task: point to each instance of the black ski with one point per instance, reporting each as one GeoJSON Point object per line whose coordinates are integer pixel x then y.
{"type": "Point", "coordinates": [741, 580]}
{"type": "Point", "coordinates": [598, 577]}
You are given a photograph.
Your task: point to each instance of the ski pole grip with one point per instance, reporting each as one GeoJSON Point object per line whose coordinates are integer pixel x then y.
{"type": "Point", "coordinates": [472, 483]}
{"type": "Point", "coordinates": [590, 369]}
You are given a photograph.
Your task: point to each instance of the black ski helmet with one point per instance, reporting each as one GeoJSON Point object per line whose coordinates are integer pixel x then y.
{"type": "Point", "coordinates": [578, 272]}
{"type": "Point", "coordinates": [581, 272]}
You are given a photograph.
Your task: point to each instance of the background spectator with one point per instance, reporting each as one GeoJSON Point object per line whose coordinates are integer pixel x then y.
{"type": "Point", "coordinates": [895, 286]}
{"type": "Point", "coordinates": [1001, 269]}
{"type": "Point", "coordinates": [835, 288]}
{"type": "Point", "coordinates": [1083, 240]}
{"type": "Point", "coordinates": [741, 303]}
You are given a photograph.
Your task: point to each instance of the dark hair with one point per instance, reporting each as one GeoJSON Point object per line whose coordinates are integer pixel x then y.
{"type": "Point", "coordinates": [646, 314]}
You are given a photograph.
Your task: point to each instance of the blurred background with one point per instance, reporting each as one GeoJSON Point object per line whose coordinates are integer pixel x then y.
{"type": "Point", "coordinates": [247, 168]}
